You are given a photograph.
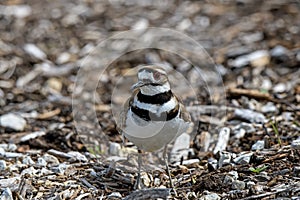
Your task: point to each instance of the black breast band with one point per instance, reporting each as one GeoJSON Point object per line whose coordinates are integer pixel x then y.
{"type": "Point", "coordinates": [147, 115]}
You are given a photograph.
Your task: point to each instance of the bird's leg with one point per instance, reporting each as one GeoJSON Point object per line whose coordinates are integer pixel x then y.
{"type": "Point", "coordinates": [137, 183]}
{"type": "Point", "coordinates": [165, 156]}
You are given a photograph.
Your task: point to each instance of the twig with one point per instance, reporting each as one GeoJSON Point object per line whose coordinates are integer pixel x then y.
{"type": "Point", "coordinates": [250, 93]}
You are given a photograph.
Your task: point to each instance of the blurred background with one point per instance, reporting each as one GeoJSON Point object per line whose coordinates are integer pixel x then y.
{"type": "Point", "coordinates": [255, 46]}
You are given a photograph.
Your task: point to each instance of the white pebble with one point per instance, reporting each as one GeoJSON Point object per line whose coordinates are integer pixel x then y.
{"type": "Point", "coordinates": [222, 140]}
{"type": "Point", "coordinates": [13, 121]}
{"type": "Point", "coordinates": [6, 194]}
{"type": "Point", "coordinates": [2, 165]}
{"type": "Point", "coordinates": [35, 51]}
{"type": "Point", "coordinates": [28, 161]}
{"type": "Point", "coordinates": [63, 58]}
{"type": "Point", "coordinates": [259, 145]}
{"type": "Point", "coordinates": [41, 162]}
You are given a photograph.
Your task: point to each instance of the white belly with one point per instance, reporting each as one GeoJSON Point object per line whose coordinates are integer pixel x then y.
{"type": "Point", "coordinates": [151, 136]}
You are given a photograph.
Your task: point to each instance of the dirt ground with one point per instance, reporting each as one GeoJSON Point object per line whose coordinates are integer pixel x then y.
{"type": "Point", "coordinates": [51, 143]}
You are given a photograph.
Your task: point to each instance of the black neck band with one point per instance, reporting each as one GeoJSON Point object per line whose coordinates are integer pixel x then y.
{"type": "Point", "coordinates": [160, 98]}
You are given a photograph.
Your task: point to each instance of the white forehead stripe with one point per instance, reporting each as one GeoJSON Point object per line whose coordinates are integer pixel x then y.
{"type": "Point", "coordinates": [153, 90]}
{"type": "Point", "coordinates": [145, 75]}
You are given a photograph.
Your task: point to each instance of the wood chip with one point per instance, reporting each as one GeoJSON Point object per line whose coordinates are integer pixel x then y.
{"type": "Point", "coordinates": [256, 94]}
{"type": "Point", "coordinates": [49, 114]}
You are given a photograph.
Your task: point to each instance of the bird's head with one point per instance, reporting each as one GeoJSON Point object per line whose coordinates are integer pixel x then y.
{"type": "Point", "coordinates": [152, 80]}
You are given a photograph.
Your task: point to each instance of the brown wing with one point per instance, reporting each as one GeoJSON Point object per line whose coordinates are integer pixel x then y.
{"type": "Point", "coordinates": [122, 117]}
{"type": "Point", "coordinates": [184, 114]}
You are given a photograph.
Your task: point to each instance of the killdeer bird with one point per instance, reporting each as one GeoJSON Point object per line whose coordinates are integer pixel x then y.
{"type": "Point", "coordinates": [153, 116]}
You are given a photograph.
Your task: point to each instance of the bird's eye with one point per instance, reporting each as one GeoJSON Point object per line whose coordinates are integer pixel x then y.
{"type": "Point", "coordinates": [156, 75]}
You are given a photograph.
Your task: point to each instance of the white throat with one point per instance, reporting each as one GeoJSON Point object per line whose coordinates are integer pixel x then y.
{"type": "Point", "coordinates": [153, 90]}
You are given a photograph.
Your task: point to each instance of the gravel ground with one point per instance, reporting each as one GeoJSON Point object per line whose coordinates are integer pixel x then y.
{"type": "Point", "coordinates": [54, 96]}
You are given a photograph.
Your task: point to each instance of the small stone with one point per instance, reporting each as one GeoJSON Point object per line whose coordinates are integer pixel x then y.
{"type": "Point", "coordinates": [59, 154]}
{"type": "Point", "coordinates": [142, 24]}
{"type": "Point", "coordinates": [205, 140]}
{"type": "Point", "coordinates": [6, 194]}
{"type": "Point", "coordinates": [54, 84]}
{"type": "Point", "coordinates": [41, 162]}
{"type": "Point", "coordinates": [77, 156]}
{"type": "Point", "coordinates": [189, 162]}
{"type": "Point", "coordinates": [284, 171]}
{"type": "Point", "coordinates": [184, 24]}
{"type": "Point", "coordinates": [114, 148]}
{"type": "Point", "coordinates": [156, 182]}
{"type": "Point", "coordinates": [28, 77]}
{"type": "Point", "coordinates": [238, 185]}
{"type": "Point", "coordinates": [243, 158]}
{"type": "Point", "coordinates": [239, 133]}
{"type": "Point", "coordinates": [258, 58]}
{"type": "Point", "coordinates": [288, 116]}
{"type": "Point", "coordinates": [10, 154]}
{"type": "Point", "coordinates": [202, 21]}
{"type": "Point", "coordinates": [279, 88]}
{"type": "Point", "coordinates": [70, 19]}
{"type": "Point", "coordinates": [114, 195]}
{"type": "Point", "coordinates": [18, 11]}
{"type": "Point", "coordinates": [262, 177]}
{"type": "Point", "coordinates": [296, 144]}
{"type": "Point", "coordinates": [296, 171]}
{"type": "Point", "coordinates": [258, 188]}
{"type": "Point", "coordinates": [27, 160]}
{"type": "Point", "coordinates": [10, 182]}
{"type": "Point", "coordinates": [191, 195]}
{"type": "Point", "coordinates": [253, 37]}
{"type": "Point", "coordinates": [152, 57]}
{"type": "Point", "coordinates": [8, 147]}
{"type": "Point", "coordinates": [234, 174]}
{"type": "Point", "coordinates": [259, 145]}
{"type": "Point", "coordinates": [210, 196]}
{"type": "Point", "coordinates": [2, 151]}
{"type": "Point", "coordinates": [13, 121]}
{"type": "Point", "coordinates": [225, 158]}
{"type": "Point", "coordinates": [180, 148]}
{"type": "Point", "coordinates": [243, 128]}
{"type": "Point", "coordinates": [44, 171]}
{"type": "Point", "coordinates": [60, 169]}
{"type": "Point", "coordinates": [212, 164]}
{"type": "Point", "coordinates": [280, 53]}
{"type": "Point", "coordinates": [63, 58]}
{"type": "Point", "coordinates": [266, 84]}
{"type": "Point", "coordinates": [2, 165]}
{"type": "Point", "coordinates": [269, 108]}
{"type": "Point", "coordinates": [222, 140]}
{"type": "Point", "coordinates": [184, 66]}
{"type": "Point", "coordinates": [228, 180]}
{"type": "Point", "coordinates": [50, 159]}
{"type": "Point", "coordinates": [250, 115]}
{"type": "Point", "coordinates": [30, 171]}
{"type": "Point", "coordinates": [32, 136]}
{"type": "Point", "coordinates": [35, 51]}
{"type": "Point", "coordinates": [250, 184]}
{"type": "Point", "coordinates": [145, 179]}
